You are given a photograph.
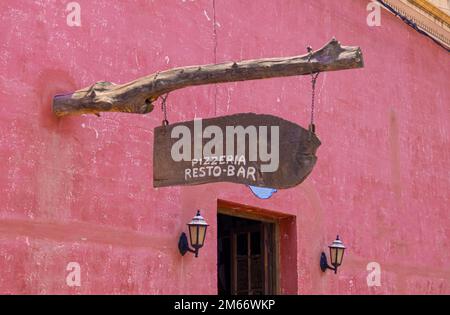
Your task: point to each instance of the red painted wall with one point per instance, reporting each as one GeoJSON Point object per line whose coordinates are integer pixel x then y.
{"type": "Point", "coordinates": [79, 189]}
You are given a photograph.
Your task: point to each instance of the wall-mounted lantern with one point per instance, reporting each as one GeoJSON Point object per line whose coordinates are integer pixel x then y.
{"type": "Point", "coordinates": [197, 232]}
{"type": "Point", "coordinates": [337, 249]}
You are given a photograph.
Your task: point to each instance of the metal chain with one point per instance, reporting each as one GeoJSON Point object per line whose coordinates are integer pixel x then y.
{"type": "Point", "coordinates": [313, 96]}
{"type": "Point", "coordinates": [312, 127]}
{"type": "Point", "coordinates": [165, 122]}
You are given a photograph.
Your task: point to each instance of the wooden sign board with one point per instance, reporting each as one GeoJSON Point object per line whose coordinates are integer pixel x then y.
{"type": "Point", "coordinates": [250, 149]}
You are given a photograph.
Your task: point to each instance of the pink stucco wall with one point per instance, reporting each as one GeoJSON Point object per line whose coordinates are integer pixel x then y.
{"type": "Point", "coordinates": [79, 189]}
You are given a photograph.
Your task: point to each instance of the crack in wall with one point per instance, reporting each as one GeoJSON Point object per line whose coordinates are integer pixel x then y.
{"type": "Point", "coordinates": [215, 52]}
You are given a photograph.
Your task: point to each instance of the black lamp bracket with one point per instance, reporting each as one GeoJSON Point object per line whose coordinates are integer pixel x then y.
{"type": "Point", "coordinates": [183, 245]}
{"type": "Point", "coordinates": [324, 263]}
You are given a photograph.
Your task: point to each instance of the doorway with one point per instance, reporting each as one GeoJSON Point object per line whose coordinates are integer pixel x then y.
{"type": "Point", "coordinates": [246, 256]}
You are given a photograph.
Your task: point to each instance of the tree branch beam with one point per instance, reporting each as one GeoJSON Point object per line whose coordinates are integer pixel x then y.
{"type": "Point", "coordinates": [137, 96]}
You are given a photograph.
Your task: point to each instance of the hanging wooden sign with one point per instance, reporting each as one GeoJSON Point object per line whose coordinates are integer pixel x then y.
{"type": "Point", "coordinates": [251, 149]}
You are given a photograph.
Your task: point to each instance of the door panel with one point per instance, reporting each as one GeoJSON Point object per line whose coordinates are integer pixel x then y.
{"type": "Point", "coordinates": [251, 256]}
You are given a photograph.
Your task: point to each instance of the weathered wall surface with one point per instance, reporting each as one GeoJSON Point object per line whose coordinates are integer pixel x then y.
{"type": "Point", "coordinates": [79, 189]}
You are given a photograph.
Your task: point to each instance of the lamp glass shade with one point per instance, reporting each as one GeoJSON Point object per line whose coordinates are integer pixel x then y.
{"type": "Point", "coordinates": [197, 231]}
{"type": "Point", "coordinates": [337, 249]}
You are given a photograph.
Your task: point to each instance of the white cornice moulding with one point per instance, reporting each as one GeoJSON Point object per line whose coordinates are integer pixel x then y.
{"type": "Point", "coordinates": [423, 19]}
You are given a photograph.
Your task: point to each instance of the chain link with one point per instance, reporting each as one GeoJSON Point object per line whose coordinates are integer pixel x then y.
{"type": "Point", "coordinates": [312, 127]}
{"type": "Point", "coordinates": [313, 97]}
{"type": "Point", "coordinates": [165, 122]}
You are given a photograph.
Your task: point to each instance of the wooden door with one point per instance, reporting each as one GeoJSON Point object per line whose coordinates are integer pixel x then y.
{"type": "Point", "coordinates": [252, 259]}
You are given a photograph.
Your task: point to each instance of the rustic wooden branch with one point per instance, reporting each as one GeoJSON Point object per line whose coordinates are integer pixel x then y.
{"type": "Point", "coordinates": [137, 96]}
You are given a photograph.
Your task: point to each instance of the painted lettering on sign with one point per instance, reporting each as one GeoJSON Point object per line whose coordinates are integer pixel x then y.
{"type": "Point", "coordinates": [241, 148]}
{"type": "Point", "coordinates": [217, 166]}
